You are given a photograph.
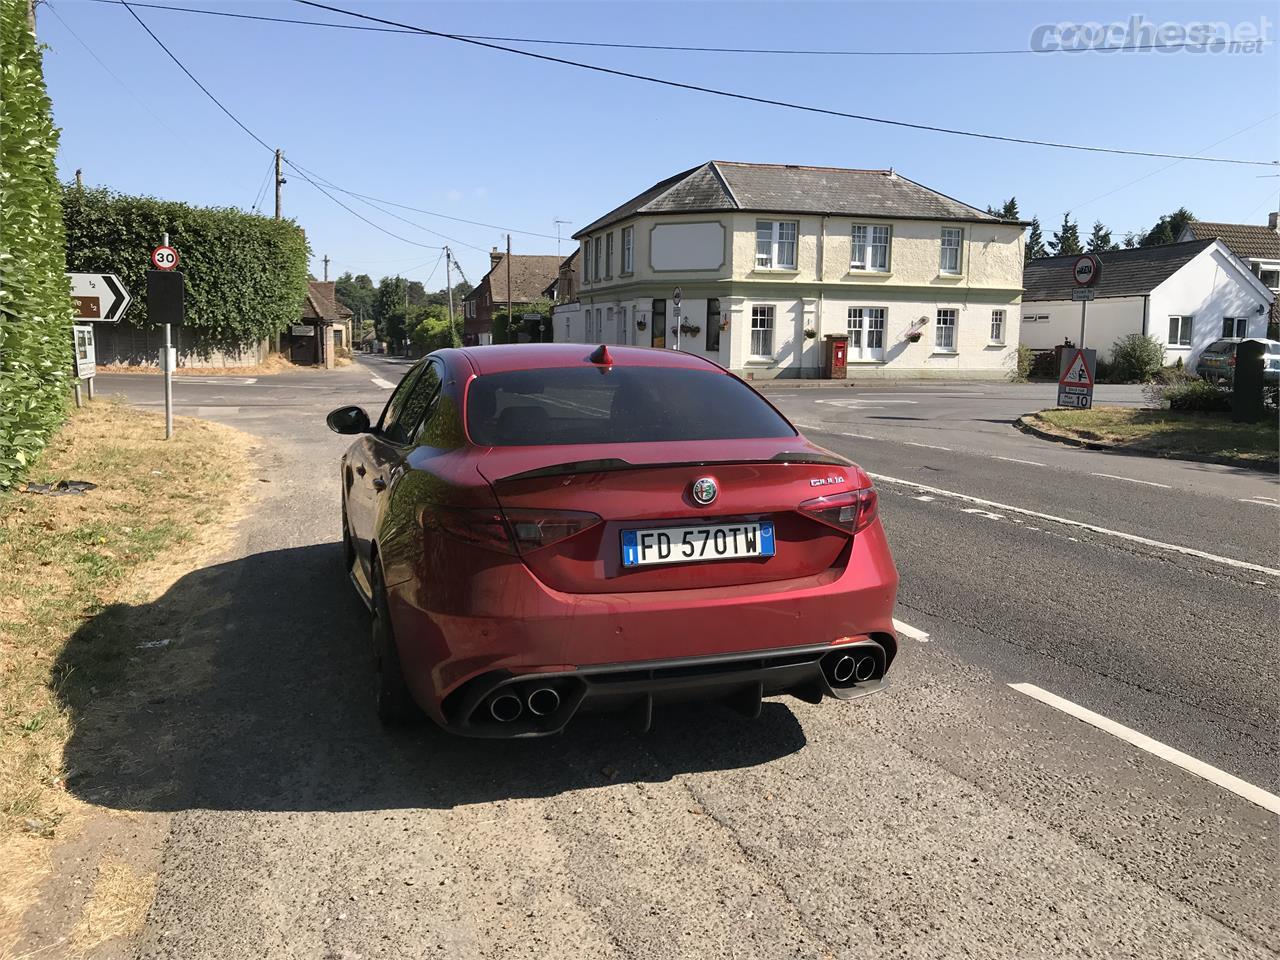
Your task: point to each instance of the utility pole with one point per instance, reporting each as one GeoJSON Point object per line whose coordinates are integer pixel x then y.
{"type": "Point", "coordinates": [280, 182]}
{"type": "Point", "coordinates": [79, 179]}
{"type": "Point", "coordinates": [448, 285]}
{"type": "Point", "coordinates": [509, 317]}
{"type": "Point", "coordinates": [557, 223]}
{"type": "Point", "coordinates": [326, 266]}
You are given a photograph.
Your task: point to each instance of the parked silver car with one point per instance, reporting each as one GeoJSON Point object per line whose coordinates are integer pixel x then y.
{"type": "Point", "coordinates": [1217, 362]}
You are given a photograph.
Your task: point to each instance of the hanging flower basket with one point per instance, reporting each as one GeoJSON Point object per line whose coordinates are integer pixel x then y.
{"type": "Point", "coordinates": [810, 333]}
{"type": "Point", "coordinates": [642, 324]}
{"type": "Point", "coordinates": [914, 336]}
{"type": "Point", "coordinates": [690, 329]}
{"type": "Point", "coordinates": [724, 325]}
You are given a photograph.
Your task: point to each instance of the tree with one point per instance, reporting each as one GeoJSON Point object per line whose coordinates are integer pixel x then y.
{"type": "Point", "coordinates": [356, 293]}
{"type": "Point", "coordinates": [417, 294]}
{"type": "Point", "coordinates": [1168, 228]}
{"type": "Point", "coordinates": [1130, 240]}
{"type": "Point", "coordinates": [1007, 211]}
{"type": "Point", "coordinates": [1067, 240]}
{"type": "Point", "coordinates": [430, 328]}
{"type": "Point", "coordinates": [1100, 240]}
{"type": "Point", "coordinates": [1035, 241]}
{"type": "Point", "coordinates": [389, 308]}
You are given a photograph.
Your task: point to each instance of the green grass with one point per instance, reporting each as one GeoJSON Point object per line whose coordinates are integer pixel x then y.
{"type": "Point", "coordinates": [68, 561]}
{"type": "Point", "coordinates": [1167, 433]}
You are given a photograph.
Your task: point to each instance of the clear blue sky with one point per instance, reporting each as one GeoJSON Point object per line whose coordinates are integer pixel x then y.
{"type": "Point", "coordinates": [498, 138]}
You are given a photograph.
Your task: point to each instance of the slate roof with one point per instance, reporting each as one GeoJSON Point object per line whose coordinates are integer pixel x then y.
{"type": "Point", "coordinates": [1125, 273]}
{"type": "Point", "coordinates": [530, 275]}
{"type": "Point", "coordinates": [720, 185]}
{"type": "Point", "coordinates": [322, 303]}
{"type": "Point", "coordinates": [1245, 240]}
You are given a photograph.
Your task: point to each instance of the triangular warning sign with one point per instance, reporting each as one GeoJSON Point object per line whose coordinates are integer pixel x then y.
{"type": "Point", "coordinates": [1077, 373]}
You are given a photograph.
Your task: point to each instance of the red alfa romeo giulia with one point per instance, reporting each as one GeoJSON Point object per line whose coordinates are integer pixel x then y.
{"type": "Point", "coordinates": [542, 530]}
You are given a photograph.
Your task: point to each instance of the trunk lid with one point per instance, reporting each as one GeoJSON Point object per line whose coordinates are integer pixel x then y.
{"type": "Point", "coordinates": [648, 486]}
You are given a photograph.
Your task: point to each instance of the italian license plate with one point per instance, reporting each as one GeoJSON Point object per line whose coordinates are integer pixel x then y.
{"type": "Point", "coordinates": [720, 541]}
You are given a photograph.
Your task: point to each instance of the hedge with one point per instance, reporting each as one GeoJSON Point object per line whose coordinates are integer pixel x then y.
{"type": "Point", "coordinates": [35, 303]}
{"type": "Point", "coordinates": [246, 275]}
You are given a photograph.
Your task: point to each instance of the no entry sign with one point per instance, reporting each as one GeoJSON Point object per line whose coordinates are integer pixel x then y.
{"type": "Point", "coordinates": [164, 258]}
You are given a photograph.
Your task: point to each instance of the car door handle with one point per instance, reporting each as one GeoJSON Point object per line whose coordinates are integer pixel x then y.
{"type": "Point", "coordinates": [360, 469]}
{"type": "Point", "coordinates": [379, 484]}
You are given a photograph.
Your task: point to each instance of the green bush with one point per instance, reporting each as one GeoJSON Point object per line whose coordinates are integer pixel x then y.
{"type": "Point", "coordinates": [1136, 359]}
{"type": "Point", "coordinates": [1197, 396]}
{"type": "Point", "coordinates": [35, 303]}
{"type": "Point", "coordinates": [246, 275]}
{"type": "Point", "coordinates": [1022, 371]}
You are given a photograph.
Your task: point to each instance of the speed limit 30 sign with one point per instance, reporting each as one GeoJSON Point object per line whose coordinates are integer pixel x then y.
{"type": "Point", "coordinates": [164, 258]}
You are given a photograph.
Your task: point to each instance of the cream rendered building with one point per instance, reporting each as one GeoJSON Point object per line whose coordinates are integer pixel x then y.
{"type": "Point", "coordinates": [770, 259]}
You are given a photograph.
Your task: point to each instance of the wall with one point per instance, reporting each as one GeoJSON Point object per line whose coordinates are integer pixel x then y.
{"type": "Point", "coordinates": [1106, 321]}
{"type": "Point", "coordinates": [1209, 288]}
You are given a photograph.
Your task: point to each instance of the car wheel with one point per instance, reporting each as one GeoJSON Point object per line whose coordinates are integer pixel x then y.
{"type": "Point", "coordinates": [395, 705]}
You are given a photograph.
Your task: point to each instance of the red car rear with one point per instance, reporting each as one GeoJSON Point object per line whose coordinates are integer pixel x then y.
{"type": "Point", "coordinates": [541, 530]}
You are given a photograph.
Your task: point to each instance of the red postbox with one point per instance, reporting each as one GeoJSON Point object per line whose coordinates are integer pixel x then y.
{"type": "Point", "coordinates": [835, 356]}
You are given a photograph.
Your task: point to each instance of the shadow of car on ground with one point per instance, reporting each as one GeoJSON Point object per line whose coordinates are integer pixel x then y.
{"type": "Point", "coordinates": [248, 686]}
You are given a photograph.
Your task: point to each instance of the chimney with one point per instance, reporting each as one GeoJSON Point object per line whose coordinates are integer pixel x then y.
{"type": "Point", "coordinates": [1272, 217]}
{"type": "Point", "coordinates": [495, 258]}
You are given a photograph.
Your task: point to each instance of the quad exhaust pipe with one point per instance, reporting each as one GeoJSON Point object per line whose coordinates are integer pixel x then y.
{"type": "Point", "coordinates": [542, 701]}
{"type": "Point", "coordinates": [857, 667]}
{"type": "Point", "coordinates": [506, 707]}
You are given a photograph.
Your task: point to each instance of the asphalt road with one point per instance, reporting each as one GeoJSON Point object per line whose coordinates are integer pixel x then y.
{"type": "Point", "coordinates": [953, 815]}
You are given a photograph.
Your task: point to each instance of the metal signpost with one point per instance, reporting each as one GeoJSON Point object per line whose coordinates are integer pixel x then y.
{"type": "Point", "coordinates": [1086, 271]}
{"type": "Point", "coordinates": [676, 296]}
{"type": "Point", "coordinates": [165, 304]}
{"type": "Point", "coordinates": [1076, 378]}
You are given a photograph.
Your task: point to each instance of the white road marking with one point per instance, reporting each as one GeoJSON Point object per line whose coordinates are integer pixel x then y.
{"type": "Point", "coordinates": [855, 402]}
{"type": "Point", "coordinates": [1241, 788]}
{"type": "Point", "coordinates": [924, 498]}
{"type": "Point", "coordinates": [1272, 499]}
{"type": "Point", "coordinates": [1032, 463]}
{"type": "Point", "coordinates": [1131, 537]}
{"type": "Point", "coordinates": [931, 446]}
{"type": "Point", "coordinates": [983, 513]}
{"type": "Point", "coordinates": [385, 385]}
{"type": "Point", "coordinates": [1262, 502]}
{"type": "Point", "coordinates": [859, 436]}
{"type": "Point", "coordinates": [1149, 483]}
{"type": "Point", "coordinates": [907, 630]}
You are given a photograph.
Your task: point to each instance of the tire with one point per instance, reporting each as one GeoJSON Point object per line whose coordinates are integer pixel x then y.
{"type": "Point", "coordinates": [394, 703]}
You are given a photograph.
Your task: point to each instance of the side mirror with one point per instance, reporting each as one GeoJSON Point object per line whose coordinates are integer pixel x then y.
{"type": "Point", "coordinates": [348, 420]}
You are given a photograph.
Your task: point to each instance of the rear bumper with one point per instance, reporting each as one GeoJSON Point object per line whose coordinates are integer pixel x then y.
{"type": "Point", "coordinates": [620, 651]}
{"type": "Point", "coordinates": [743, 680]}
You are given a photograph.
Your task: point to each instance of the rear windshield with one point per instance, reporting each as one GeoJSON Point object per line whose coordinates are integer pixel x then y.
{"type": "Point", "coordinates": [1221, 346]}
{"type": "Point", "coordinates": [616, 405]}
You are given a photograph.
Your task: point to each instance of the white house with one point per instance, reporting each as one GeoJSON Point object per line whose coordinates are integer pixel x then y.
{"type": "Point", "coordinates": [1256, 245]}
{"type": "Point", "coordinates": [1185, 295]}
{"type": "Point", "coordinates": [770, 259]}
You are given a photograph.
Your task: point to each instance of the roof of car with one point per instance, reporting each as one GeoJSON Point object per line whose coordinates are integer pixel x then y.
{"type": "Point", "coordinates": [502, 358]}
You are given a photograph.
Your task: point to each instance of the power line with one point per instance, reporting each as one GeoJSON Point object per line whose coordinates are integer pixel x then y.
{"type": "Point", "coordinates": [782, 103]}
{"type": "Point", "coordinates": [262, 187]}
{"type": "Point", "coordinates": [264, 143]}
{"type": "Point", "coordinates": [614, 45]}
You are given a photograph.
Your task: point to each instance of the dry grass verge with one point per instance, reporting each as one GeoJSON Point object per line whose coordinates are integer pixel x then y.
{"type": "Point", "coordinates": [160, 509]}
{"type": "Point", "coordinates": [274, 364]}
{"type": "Point", "coordinates": [1165, 433]}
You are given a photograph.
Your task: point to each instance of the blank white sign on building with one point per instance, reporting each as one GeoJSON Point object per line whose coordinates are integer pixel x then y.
{"type": "Point", "coordinates": [687, 246]}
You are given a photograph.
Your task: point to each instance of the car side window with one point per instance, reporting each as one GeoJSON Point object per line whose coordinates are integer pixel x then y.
{"type": "Point", "coordinates": [406, 416]}
{"type": "Point", "coordinates": [399, 396]}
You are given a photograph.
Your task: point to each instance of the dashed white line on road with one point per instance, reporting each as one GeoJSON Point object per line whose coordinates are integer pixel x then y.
{"type": "Point", "coordinates": [1271, 499]}
{"type": "Point", "coordinates": [1262, 502]}
{"type": "Point", "coordinates": [1241, 788]}
{"type": "Point", "coordinates": [1032, 463]}
{"type": "Point", "coordinates": [1118, 534]}
{"type": "Point", "coordinates": [859, 436]}
{"type": "Point", "coordinates": [931, 446]}
{"type": "Point", "coordinates": [384, 384]}
{"type": "Point", "coordinates": [1149, 483]}
{"type": "Point", "coordinates": [907, 630]}
{"type": "Point", "coordinates": [924, 498]}
{"type": "Point", "coordinates": [983, 513]}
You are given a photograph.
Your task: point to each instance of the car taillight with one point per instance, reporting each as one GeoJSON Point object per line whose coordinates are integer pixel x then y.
{"type": "Point", "coordinates": [849, 512]}
{"type": "Point", "coordinates": [535, 529]}
{"type": "Point", "coordinates": [516, 532]}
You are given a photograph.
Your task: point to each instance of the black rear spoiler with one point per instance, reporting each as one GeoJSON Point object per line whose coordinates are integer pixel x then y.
{"type": "Point", "coordinates": [615, 464]}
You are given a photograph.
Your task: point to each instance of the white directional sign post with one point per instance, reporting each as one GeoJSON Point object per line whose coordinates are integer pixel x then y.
{"type": "Point", "coordinates": [165, 258]}
{"type": "Point", "coordinates": [1076, 377]}
{"type": "Point", "coordinates": [676, 296]}
{"type": "Point", "coordinates": [99, 296]}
